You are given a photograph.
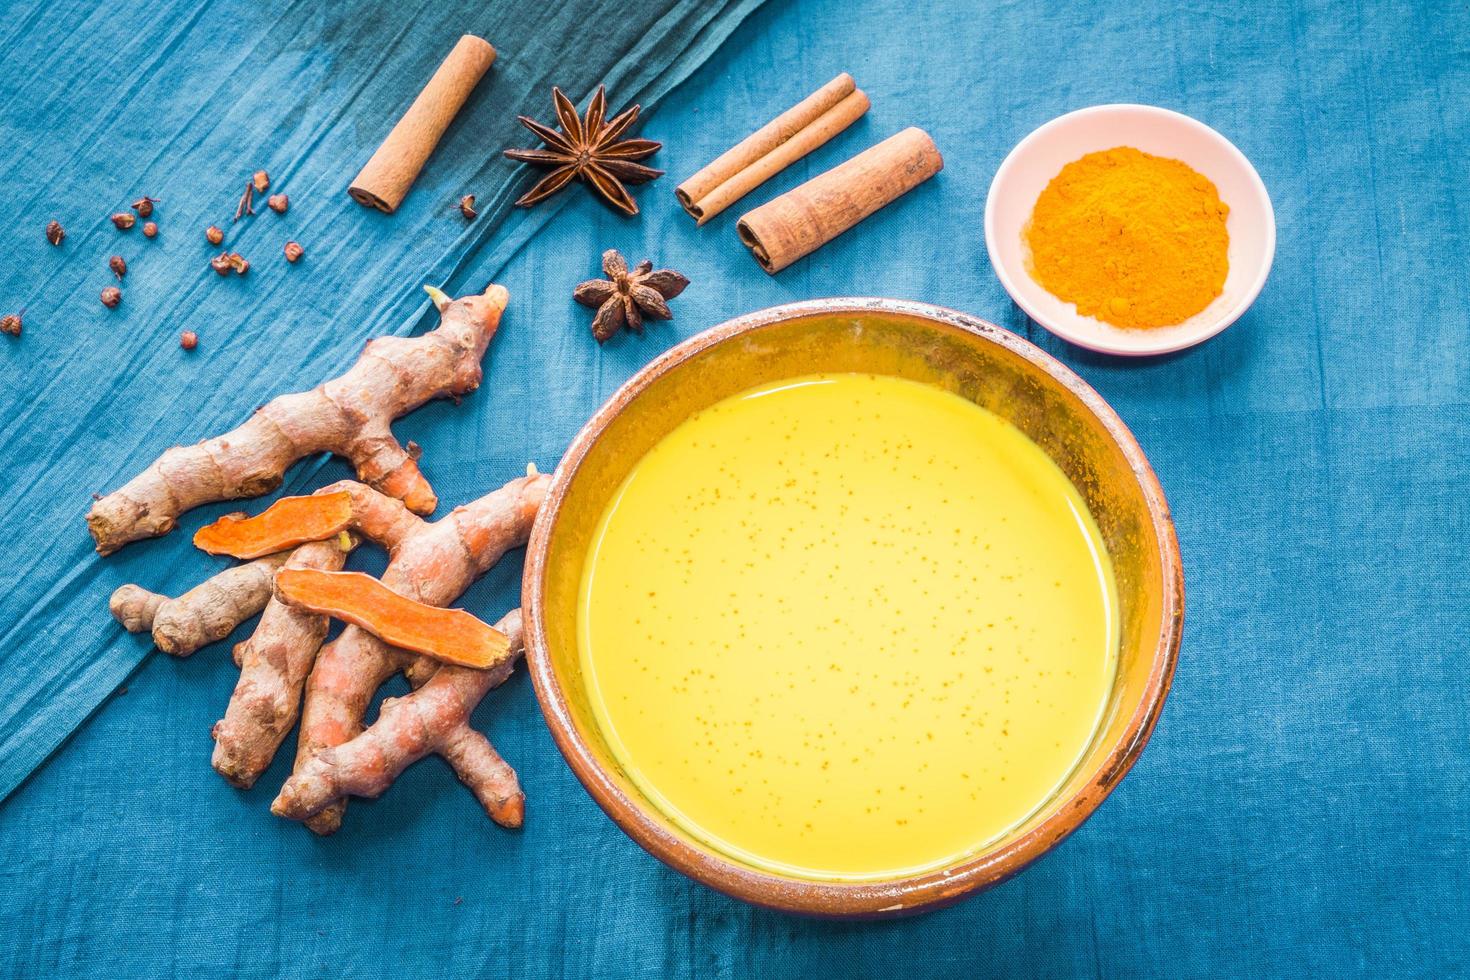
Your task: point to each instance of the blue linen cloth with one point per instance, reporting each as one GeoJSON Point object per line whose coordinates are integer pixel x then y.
{"type": "Point", "coordinates": [1304, 806]}
{"type": "Point", "coordinates": [105, 105]}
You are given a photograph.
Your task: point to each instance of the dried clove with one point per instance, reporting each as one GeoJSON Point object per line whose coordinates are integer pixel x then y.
{"type": "Point", "coordinates": [188, 340]}
{"type": "Point", "coordinates": [150, 230]}
{"type": "Point", "coordinates": [54, 232]}
{"type": "Point", "coordinates": [144, 206]}
{"type": "Point", "coordinates": [227, 262]}
{"type": "Point", "coordinates": [467, 207]}
{"type": "Point", "coordinates": [278, 203]}
{"type": "Point", "coordinates": [247, 202]}
{"type": "Point", "coordinates": [111, 296]}
{"type": "Point", "coordinates": [214, 235]}
{"type": "Point", "coordinates": [261, 181]}
{"type": "Point", "coordinates": [11, 323]}
{"type": "Point", "coordinates": [294, 252]}
{"type": "Point", "coordinates": [124, 220]}
{"type": "Point", "coordinates": [118, 266]}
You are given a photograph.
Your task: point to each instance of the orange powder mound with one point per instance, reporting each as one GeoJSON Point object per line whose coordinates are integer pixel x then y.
{"type": "Point", "coordinates": [1130, 238]}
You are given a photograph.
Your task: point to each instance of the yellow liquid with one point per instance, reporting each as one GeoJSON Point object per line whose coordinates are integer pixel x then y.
{"type": "Point", "coordinates": [846, 626]}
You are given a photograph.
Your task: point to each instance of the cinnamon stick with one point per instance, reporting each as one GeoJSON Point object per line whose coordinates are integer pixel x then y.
{"type": "Point", "coordinates": [384, 182]}
{"type": "Point", "coordinates": [804, 219]}
{"type": "Point", "coordinates": [772, 148]}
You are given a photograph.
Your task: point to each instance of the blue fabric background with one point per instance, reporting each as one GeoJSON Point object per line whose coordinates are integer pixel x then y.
{"type": "Point", "coordinates": [1304, 806]}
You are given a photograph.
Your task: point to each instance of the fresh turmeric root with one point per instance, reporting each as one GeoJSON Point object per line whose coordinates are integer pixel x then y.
{"type": "Point", "coordinates": [206, 613]}
{"type": "Point", "coordinates": [431, 563]}
{"type": "Point", "coordinates": [433, 719]}
{"type": "Point", "coordinates": [349, 415]}
{"type": "Point", "coordinates": [452, 636]}
{"type": "Point", "coordinates": [290, 521]}
{"type": "Point", "coordinates": [273, 665]}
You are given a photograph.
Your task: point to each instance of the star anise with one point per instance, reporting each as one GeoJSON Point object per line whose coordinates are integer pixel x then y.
{"type": "Point", "coordinates": [624, 298]}
{"type": "Point", "coordinates": [588, 148]}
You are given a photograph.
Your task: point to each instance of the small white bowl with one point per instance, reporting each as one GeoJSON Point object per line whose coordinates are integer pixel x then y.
{"type": "Point", "coordinates": [1040, 157]}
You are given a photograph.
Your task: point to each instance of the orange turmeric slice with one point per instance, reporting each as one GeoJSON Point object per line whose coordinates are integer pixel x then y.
{"type": "Point", "coordinates": [449, 635]}
{"type": "Point", "coordinates": [286, 523]}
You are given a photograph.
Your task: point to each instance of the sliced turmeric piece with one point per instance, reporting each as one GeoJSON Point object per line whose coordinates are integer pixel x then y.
{"type": "Point", "coordinates": [450, 635]}
{"type": "Point", "coordinates": [285, 524]}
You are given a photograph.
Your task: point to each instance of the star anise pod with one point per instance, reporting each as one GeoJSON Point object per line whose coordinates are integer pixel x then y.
{"type": "Point", "coordinates": [624, 298]}
{"type": "Point", "coordinates": [588, 148]}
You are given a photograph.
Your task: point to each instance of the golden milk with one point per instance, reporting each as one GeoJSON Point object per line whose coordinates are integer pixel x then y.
{"type": "Point", "coordinates": [847, 626]}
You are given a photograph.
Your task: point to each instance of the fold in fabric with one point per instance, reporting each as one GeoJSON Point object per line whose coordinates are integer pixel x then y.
{"type": "Point", "coordinates": [103, 104]}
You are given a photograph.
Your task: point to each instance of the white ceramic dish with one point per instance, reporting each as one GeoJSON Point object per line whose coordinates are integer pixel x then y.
{"type": "Point", "coordinates": [1039, 157]}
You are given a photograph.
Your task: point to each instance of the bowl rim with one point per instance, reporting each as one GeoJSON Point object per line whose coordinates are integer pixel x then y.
{"type": "Point", "coordinates": [869, 898]}
{"type": "Point", "coordinates": [1100, 342]}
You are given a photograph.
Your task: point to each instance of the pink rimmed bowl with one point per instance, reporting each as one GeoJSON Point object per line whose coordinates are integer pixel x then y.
{"type": "Point", "coordinates": [1028, 168]}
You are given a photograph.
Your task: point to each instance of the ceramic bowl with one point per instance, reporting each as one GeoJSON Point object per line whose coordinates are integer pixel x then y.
{"type": "Point", "coordinates": [1040, 157]}
{"type": "Point", "coordinates": [979, 361]}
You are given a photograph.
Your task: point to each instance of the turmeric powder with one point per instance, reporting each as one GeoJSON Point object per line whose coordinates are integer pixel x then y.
{"type": "Point", "coordinates": [1133, 239]}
